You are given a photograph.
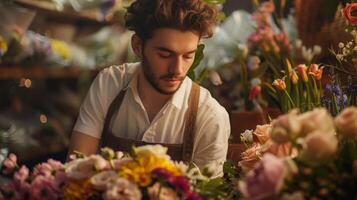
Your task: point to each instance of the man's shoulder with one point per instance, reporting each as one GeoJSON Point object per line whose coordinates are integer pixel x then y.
{"type": "Point", "coordinates": [119, 70]}
{"type": "Point", "coordinates": [209, 104]}
{"type": "Point", "coordinates": [118, 74]}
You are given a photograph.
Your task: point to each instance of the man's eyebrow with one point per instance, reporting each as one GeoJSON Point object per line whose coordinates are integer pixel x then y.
{"type": "Point", "coordinates": [170, 51]}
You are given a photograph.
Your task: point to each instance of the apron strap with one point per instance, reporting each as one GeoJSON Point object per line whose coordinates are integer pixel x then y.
{"type": "Point", "coordinates": [114, 106]}
{"type": "Point", "coordinates": [190, 121]}
{"type": "Point", "coordinates": [191, 113]}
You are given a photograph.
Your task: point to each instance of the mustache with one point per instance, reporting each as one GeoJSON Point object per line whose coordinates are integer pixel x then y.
{"type": "Point", "coordinates": [172, 76]}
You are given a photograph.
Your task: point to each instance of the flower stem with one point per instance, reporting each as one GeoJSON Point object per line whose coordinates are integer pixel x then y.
{"type": "Point", "coordinates": [291, 101]}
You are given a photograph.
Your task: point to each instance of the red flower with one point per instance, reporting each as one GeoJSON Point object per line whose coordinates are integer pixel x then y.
{"type": "Point", "coordinates": [350, 13]}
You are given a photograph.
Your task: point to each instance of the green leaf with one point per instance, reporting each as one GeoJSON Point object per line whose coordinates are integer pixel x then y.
{"type": "Point", "coordinates": [229, 169]}
{"type": "Point", "coordinates": [197, 60]}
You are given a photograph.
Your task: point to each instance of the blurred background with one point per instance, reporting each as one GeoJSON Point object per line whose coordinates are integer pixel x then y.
{"type": "Point", "coordinates": [51, 50]}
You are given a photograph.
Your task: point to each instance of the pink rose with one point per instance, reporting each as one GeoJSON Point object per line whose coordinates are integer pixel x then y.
{"type": "Point", "coordinates": [22, 174]}
{"type": "Point", "coordinates": [59, 181]}
{"type": "Point", "coordinates": [265, 180]}
{"type": "Point", "coordinates": [317, 119]}
{"type": "Point", "coordinates": [267, 7]}
{"type": "Point", "coordinates": [10, 163]}
{"type": "Point", "coordinates": [320, 146]}
{"type": "Point", "coordinates": [286, 127]}
{"type": "Point", "coordinates": [262, 133]}
{"type": "Point", "coordinates": [281, 150]}
{"type": "Point", "coordinates": [41, 189]}
{"type": "Point", "coordinates": [346, 122]}
{"type": "Point", "coordinates": [55, 165]}
{"type": "Point", "coordinates": [349, 12]}
{"type": "Point", "coordinates": [43, 169]}
{"type": "Point", "coordinates": [250, 157]}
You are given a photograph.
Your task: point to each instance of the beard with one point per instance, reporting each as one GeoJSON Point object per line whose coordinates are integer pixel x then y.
{"type": "Point", "coordinates": [154, 81]}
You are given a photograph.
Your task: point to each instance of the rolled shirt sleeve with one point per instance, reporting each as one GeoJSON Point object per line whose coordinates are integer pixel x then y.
{"type": "Point", "coordinates": [212, 135]}
{"type": "Point", "coordinates": [93, 110]}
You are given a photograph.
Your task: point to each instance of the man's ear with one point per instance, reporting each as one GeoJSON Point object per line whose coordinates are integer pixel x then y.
{"type": "Point", "coordinates": [136, 45]}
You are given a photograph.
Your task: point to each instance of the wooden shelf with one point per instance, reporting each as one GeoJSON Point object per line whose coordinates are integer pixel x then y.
{"type": "Point", "coordinates": [37, 72]}
{"type": "Point", "coordinates": [50, 9]}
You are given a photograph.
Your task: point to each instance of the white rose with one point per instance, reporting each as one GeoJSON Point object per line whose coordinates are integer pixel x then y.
{"type": "Point", "coordinates": [85, 167]}
{"type": "Point", "coordinates": [101, 180]}
{"type": "Point", "coordinates": [122, 189]}
{"type": "Point", "coordinates": [158, 150]}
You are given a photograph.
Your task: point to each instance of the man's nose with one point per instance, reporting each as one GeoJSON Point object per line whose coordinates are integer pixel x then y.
{"type": "Point", "coordinates": [176, 66]}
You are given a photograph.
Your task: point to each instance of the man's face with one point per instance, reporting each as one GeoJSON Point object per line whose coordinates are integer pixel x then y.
{"type": "Point", "coordinates": [167, 57]}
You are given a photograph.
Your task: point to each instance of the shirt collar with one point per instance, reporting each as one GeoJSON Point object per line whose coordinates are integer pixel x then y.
{"type": "Point", "coordinates": [180, 96]}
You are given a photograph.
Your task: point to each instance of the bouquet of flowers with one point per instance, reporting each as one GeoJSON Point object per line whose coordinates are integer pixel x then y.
{"type": "Point", "coordinates": [148, 173]}
{"type": "Point", "coordinates": [302, 156]}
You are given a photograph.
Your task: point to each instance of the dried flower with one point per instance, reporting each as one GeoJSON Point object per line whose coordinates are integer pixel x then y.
{"type": "Point", "coordinates": [349, 13]}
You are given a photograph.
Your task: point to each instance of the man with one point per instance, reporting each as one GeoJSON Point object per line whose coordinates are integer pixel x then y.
{"type": "Point", "coordinates": [153, 101]}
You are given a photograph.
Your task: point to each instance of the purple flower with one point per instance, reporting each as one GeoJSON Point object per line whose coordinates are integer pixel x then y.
{"type": "Point", "coordinates": [162, 173]}
{"type": "Point", "coordinates": [265, 180]}
{"type": "Point", "coordinates": [180, 182]}
{"type": "Point", "coordinates": [352, 89]}
{"type": "Point", "coordinates": [335, 89]}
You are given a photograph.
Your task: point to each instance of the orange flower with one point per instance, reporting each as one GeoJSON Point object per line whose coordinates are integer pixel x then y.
{"type": "Point", "coordinates": [302, 71]}
{"type": "Point", "coordinates": [294, 77]}
{"type": "Point", "coordinates": [316, 72]}
{"type": "Point", "coordinates": [279, 84]}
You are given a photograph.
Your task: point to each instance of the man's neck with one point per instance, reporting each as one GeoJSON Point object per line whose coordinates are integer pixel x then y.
{"type": "Point", "coordinates": [152, 100]}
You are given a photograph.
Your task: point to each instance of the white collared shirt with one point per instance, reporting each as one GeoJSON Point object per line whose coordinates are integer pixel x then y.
{"type": "Point", "coordinates": [132, 121]}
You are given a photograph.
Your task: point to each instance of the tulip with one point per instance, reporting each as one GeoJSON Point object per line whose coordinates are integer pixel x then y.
{"type": "Point", "coordinates": [302, 71]}
{"type": "Point", "coordinates": [279, 84]}
{"type": "Point", "coordinates": [315, 71]}
{"type": "Point", "coordinates": [294, 77]}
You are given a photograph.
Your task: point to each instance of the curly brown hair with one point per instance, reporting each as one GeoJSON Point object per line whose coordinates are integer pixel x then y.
{"type": "Point", "coordinates": [145, 16]}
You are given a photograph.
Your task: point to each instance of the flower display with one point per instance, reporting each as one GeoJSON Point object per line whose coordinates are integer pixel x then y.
{"type": "Point", "coordinates": [148, 173]}
{"type": "Point", "coordinates": [319, 161]}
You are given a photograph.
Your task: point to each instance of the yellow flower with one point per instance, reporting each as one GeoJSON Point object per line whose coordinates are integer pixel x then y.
{"type": "Point", "coordinates": [78, 190]}
{"type": "Point", "coordinates": [61, 48]}
{"type": "Point", "coordinates": [279, 84]}
{"type": "Point", "coordinates": [3, 46]}
{"type": "Point", "coordinates": [315, 71]}
{"type": "Point", "coordinates": [139, 170]}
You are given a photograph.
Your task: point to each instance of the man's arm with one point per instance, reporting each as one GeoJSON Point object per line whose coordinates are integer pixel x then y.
{"type": "Point", "coordinates": [83, 143]}
{"type": "Point", "coordinates": [212, 134]}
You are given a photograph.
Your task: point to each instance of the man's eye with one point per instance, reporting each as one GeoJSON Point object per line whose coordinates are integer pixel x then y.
{"type": "Point", "coordinates": [164, 55]}
{"type": "Point", "coordinates": [190, 56]}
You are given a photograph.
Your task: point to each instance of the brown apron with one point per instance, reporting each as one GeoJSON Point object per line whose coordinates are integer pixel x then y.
{"type": "Point", "coordinates": [176, 151]}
